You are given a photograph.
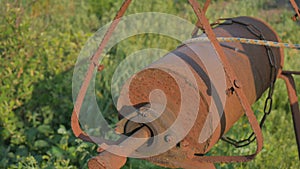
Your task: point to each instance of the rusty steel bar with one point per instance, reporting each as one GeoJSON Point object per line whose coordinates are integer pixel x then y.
{"type": "Point", "coordinates": [291, 72]}
{"type": "Point", "coordinates": [198, 24]}
{"type": "Point", "coordinates": [296, 8]}
{"type": "Point", "coordinates": [94, 63]}
{"type": "Point", "coordinates": [293, 99]}
{"type": "Point", "coordinates": [107, 160]}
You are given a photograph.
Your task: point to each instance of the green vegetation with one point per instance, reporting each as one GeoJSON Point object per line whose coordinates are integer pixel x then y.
{"type": "Point", "coordinates": [39, 45]}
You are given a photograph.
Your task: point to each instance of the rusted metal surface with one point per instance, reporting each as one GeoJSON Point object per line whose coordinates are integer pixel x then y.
{"type": "Point", "coordinates": [239, 92]}
{"type": "Point", "coordinates": [237, 60]}
{"type": "Point", "coordinates": [247, 60]}
{"type": "Point", "coordinates": [296, 8]}
{"type": "Point", "coordinates": [94, 64]}
{"type": "Point", "coordinates": [293, 99]}
{"type": "Point", "coordinates": [199, 24]}
{"type": "Point", "coordinates": [107, 160]}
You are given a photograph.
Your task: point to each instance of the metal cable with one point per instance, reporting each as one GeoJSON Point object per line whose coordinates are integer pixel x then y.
{"type": "Point", "coordinates": [247, 41]}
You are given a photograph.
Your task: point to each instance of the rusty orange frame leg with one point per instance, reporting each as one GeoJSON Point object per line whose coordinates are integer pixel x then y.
{"type": "Point", "coordinates": [296, 8]}
{"type": "Point", "coordinates": [287, 76]}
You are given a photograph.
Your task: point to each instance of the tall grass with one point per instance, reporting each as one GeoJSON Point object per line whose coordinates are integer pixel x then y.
{"type": "Point", "coordinates": [39, 45]}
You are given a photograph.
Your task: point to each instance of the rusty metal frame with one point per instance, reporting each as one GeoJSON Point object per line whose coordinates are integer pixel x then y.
{"type": "Point", "coordinates": [94, 64]}
{"type": "Point", "coordinates": [239, 92]}
{"type": "Point", "coordinates": [202, 20]}
{"type": "Point", "coordinates": [203, 24]}
{"type": "Point", "coordinates": [296, 8]}
{"type": "Point", "coordinates": [288, 78]}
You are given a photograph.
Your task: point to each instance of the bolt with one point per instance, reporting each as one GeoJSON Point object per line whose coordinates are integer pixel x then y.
{"type": "Point", "coordinates": [144, 114]}
{"type": "Point", "coordinates": [229, 91]}
{"type": "Point", "coordinates": [237, 84]}
{"type": "Point", "coordinates": [169, 138]}
{"type": "Point", "coordinates": [184, 143]}
{"type": "Point", "coordinates": [143, 111]}
{"type": "Point", "coordinates": [100, 68]}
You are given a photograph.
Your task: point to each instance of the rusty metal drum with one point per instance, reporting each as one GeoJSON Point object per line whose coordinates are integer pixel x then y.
{"type": "Point", "coordinates": [165, 90]}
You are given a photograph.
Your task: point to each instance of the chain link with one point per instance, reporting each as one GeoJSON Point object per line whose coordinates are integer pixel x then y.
{"type": "Point", "coordinates": [269, 101]}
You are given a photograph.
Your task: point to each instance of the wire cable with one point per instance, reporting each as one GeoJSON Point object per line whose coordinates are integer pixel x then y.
{"type": "Point", "coordinates": [246, 41]}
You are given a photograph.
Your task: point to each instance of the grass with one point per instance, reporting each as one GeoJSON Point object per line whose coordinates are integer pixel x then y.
{"type": "Point", "coordinates": [39, 45]}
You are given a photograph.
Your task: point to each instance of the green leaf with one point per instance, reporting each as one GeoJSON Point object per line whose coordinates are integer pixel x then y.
{"type": "Point", "coordinates": [45, 129]}
{"type": "Point", "coordinates": [62, 130]}
{"type": "Point", "coordinates": [57, 152]}
{"type": "Point", "coordinates": [41, 144]}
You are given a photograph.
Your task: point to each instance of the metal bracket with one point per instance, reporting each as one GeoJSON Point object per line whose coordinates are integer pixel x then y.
{"type": "Point", "coordinates": [296, 8]}
{"type": "Point", "coordinates": [288, 78]}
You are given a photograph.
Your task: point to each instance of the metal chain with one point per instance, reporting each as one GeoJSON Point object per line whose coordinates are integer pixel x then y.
{"type": "Point", "coordinates": [269, 101]}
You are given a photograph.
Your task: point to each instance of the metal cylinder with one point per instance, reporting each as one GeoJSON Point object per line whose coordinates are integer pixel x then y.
{"type": "Point", "coordinates": [250, 62]}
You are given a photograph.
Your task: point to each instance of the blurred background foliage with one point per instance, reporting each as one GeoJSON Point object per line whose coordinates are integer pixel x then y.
{"type": "Point", "coordinates": [39, 44]}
